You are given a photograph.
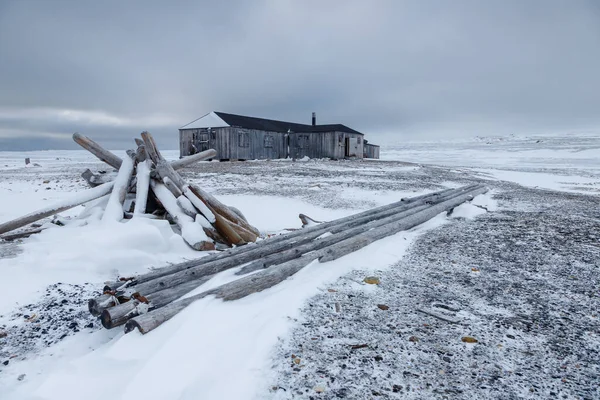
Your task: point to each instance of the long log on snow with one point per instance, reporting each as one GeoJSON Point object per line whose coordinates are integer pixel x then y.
{"type": "Point", "coordinates": [294, 250]}
{"type": "Point", "coordinates": [336, 234]}
{"type": "Point", "coordinates": [63, 205]}
{"type": "Point", "coordinates": [283, 242]}
{"type": "Point", "coordinates": [176, 274]}
{"type": "Point", "coordinates": [119, 314]}
{"type": "Point", "coordinates": [265, 279]}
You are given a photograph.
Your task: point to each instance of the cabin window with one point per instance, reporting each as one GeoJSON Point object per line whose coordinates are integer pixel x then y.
{"type": "Point", "coordinates": [269, 140]}
{"type": "Point", "coordinates": [244, 139]}
{"type": "Point", "coordinates": [303, 142]}
{"type": "Point", "coordinates": [358, 140]}
{"type": "Point", "coordinates": [340, 139]}
{"type": "Point", "coordinates": [213, 135]}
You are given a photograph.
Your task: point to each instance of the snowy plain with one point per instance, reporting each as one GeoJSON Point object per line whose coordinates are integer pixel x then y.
{"type": "Point", "coordinates": [201, 351]}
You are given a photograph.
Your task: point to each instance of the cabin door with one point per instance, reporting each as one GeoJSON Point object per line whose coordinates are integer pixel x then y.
{"type": "Point", "coordinates": [351, 147]}
{"type": "Point", "coordinates": [202, 144]}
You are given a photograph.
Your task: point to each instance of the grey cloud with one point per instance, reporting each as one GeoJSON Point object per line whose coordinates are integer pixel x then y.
{"type": "Point", "coordinates": [392, 69]}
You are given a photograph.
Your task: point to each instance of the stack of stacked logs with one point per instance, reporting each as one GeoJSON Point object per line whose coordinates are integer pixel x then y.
{"type": "Point", "coordinates": [146, 301]}
{"type": "Point", "coordinates": [159, 189]}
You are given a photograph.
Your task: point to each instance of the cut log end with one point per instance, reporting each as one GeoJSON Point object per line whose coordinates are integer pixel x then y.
{"type": "Point", "coordinates": [132, 325]}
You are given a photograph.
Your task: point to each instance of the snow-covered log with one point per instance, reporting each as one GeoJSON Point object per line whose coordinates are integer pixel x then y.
{"type": "Point", "coordinates": [224, 220]}
{"type": "Point", "coordinates": [118, 315]}
{"type": "Point", "coordinates": [60, 206]}
{"type": "Point", "coordinates": [114, 208]}
{"type": "Point", "coordinates": [265, 279]}
{"type": "Point", "coordinates": [191, 232]}
{"type": "Point", "coordinates": [142, 187]}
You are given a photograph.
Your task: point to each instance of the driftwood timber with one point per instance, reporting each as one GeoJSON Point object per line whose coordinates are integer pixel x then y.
{"type": "Point", "coordinates": [21, 235]}
{"type": "Point", "coordinates": [339, 233]}
{"type": "Point", "coordinates": [175, 275]}
{"type": "Point", "coordinates": [97, 150]}
{"type": "Point", "coordinates": [118, 315]}
{"type": "Point", "coordinates": [186, 161]}
{"type": "Point", "coordinates": [308, 221]}
{"type": "Point", "coordinates": [114, 208]}
{"type": "Point", "coordinates": [270, 277]}
{"type": "Point", "coordinates": [284, 242]}
{"type": "Point", "coordinates": [142, 187]}
{"type": "Point", "coordinates": [258, 253]}
{"type": "Point", "coordinates": [115, 161]}
{"type": "Point", "coordinates": [77, 200]}
{"type": "Point", "coordinates": [191, 231]}
{"type": "Point", "coordinates": [95, 179]}
{"type": "Point", "coordinates": [225, 228]}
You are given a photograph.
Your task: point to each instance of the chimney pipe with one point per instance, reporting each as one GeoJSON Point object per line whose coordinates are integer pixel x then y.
{"type": "Point", "coordinates": [314, 119]}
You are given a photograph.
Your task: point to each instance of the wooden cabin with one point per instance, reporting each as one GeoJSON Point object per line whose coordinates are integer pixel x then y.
{"type": "Point", "coordinates": [237, 137]}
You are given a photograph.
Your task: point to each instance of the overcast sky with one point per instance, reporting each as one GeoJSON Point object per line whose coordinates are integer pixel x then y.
{"type": "Point", "coordinates": [390, 69]}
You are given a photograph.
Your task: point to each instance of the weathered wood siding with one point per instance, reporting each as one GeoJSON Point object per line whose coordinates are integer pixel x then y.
{"type": "Point", "coordinates": [371, 151]}
{"type": "Point", "coordinates": [252, 144]}
{"type": "Point", "coordinates": [326, 145]}
{"type": "Point", "coordinates": [232, 143]}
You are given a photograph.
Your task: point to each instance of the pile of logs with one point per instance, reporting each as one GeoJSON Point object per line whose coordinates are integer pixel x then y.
{"type": "Point", "coordinates": [157, 189]}
{"type": "Point", "coordinates": [146, 301]}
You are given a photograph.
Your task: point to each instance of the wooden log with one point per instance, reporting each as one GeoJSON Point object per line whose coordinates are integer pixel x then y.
{"type": "Point", "coordinates": [21, 235]}
{"type": "Point", "coordinates": [119, 314]}
{"type": "Point", "coordinates": [192, 233]}
{"type": "Point", "coordinates": [308, 221]}
{"type": "Point", "coordinates": [284, 242]}
{"type": "Point", "coordinates": [187, 161]}
{"type": "Point", "coordinates": [97, 150]}
{"type": "Point", "coordinates": [173, 188]}
{"type": "Point", "coordinates": [151, 282]}
{"type": "Point", "coordinates": [94, 180]}
{"type": "Point", "coordinates": [293, 248]}
{"type": "Point", "coordinates": [219, 208]}
{"type": "Point", "coordinates": [166, 171]}
{"type": "Point", "coordinates": [114, 208]}
{"type": "Point", "coordinates": [63, 205]}
{"type": "Point", "coordinates": [142, 187]}
{"type": "Point", "coordinates": [337, 234]}
{"type": "Point", "coordinates": [115, 161]}
{"type": "Point", "coordinates": [268, 278]}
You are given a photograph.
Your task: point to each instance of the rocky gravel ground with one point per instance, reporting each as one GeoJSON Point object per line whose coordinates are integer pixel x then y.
{"type": "Point", "coordinates": [61, 311]}
{"type": "Point", "coordinates": [505, 306]}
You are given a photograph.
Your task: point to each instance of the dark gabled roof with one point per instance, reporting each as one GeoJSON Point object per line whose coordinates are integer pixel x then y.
{"type": "Point", "coordinates": [279, 126]}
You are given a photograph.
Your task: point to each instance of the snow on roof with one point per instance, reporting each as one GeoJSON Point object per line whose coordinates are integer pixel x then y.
{"type": "Point", "coordinates": [210, 120]}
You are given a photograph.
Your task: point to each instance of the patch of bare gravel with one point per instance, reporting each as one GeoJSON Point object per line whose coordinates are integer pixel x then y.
{"type": "Point", "coordinates": [523, 281]}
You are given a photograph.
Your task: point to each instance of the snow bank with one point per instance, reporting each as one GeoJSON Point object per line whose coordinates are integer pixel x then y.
{"type": "Point", "coordinates": [202, 348]}
{"type": "Point", "coordinates": [94, 253]}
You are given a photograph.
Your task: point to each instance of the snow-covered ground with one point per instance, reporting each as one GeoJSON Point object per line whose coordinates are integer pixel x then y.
{"type": "Point", "coordinates": [213, 350]}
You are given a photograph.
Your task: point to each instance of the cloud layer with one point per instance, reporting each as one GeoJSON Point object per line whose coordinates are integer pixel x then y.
{"type": "Point", "coordinates": [392, 69]}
